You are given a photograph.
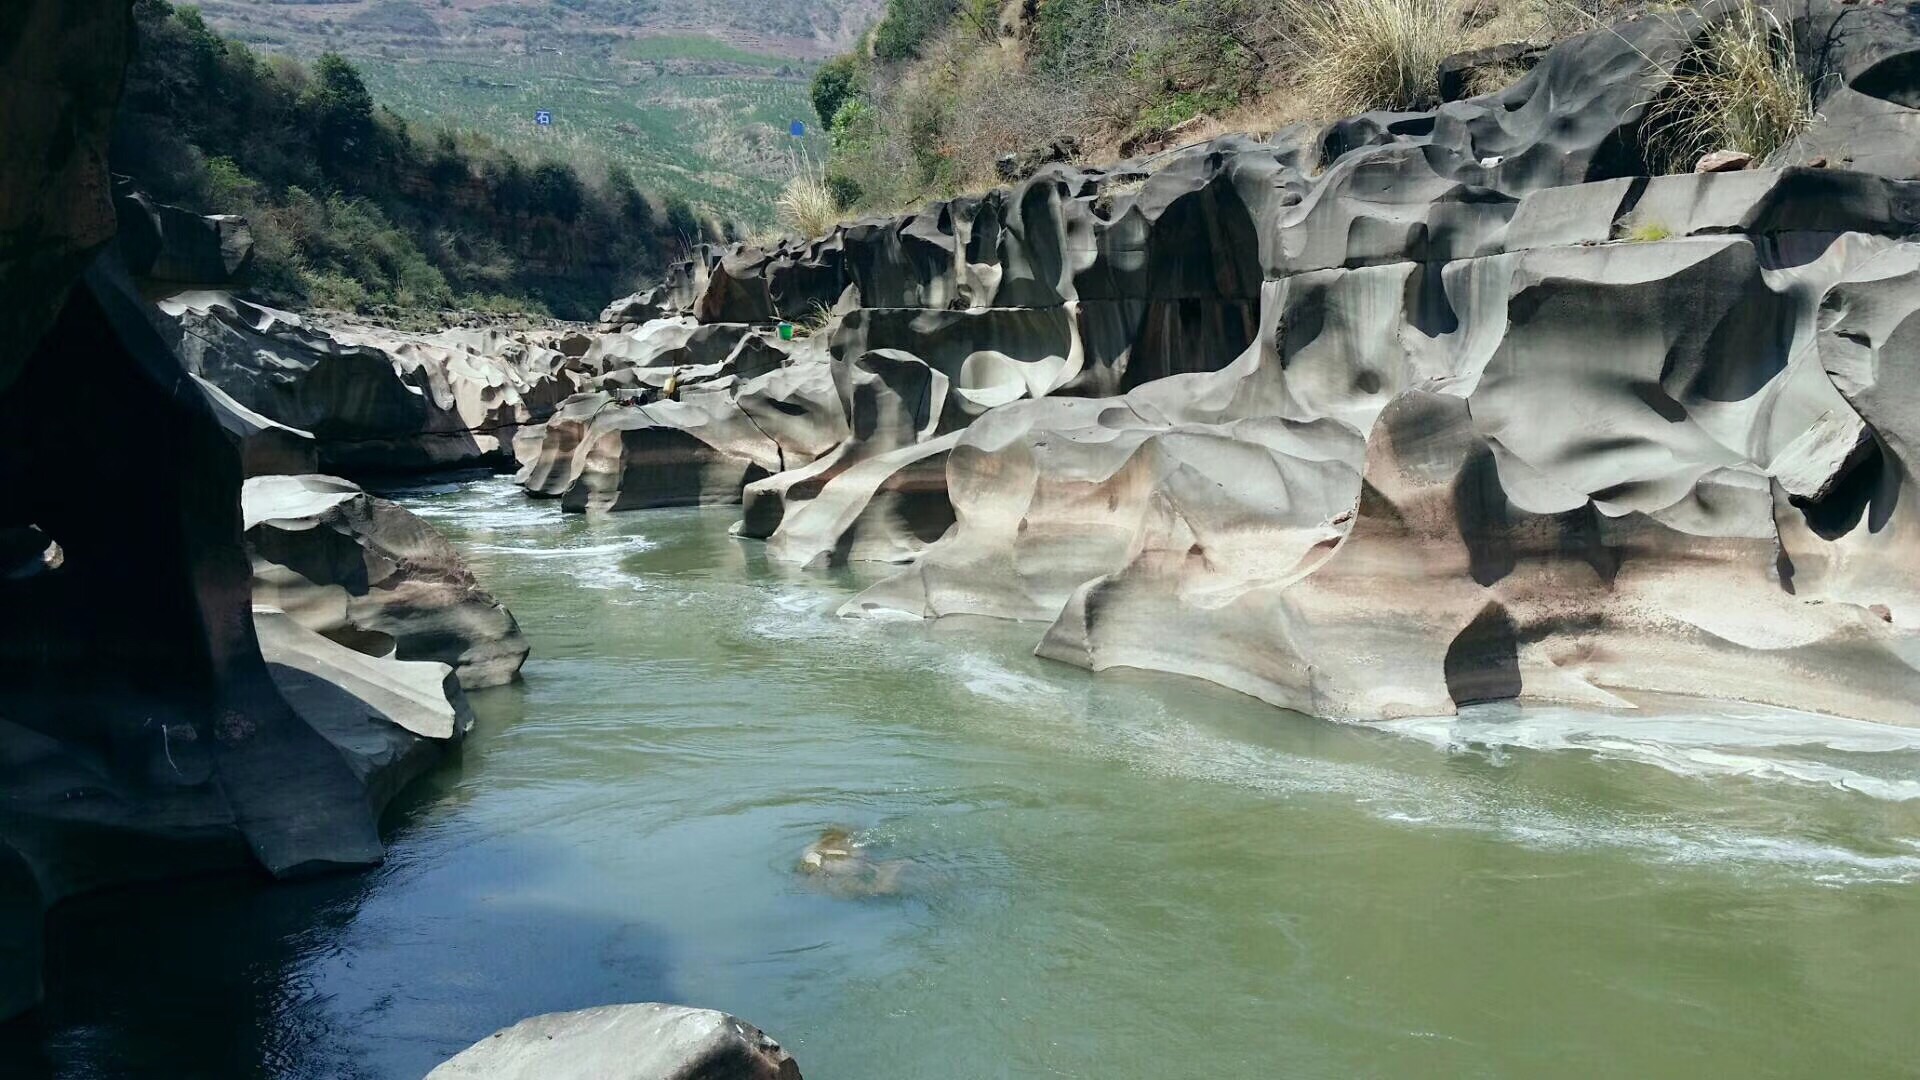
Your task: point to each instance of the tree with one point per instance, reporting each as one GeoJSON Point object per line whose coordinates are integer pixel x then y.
{"type": "Point", "coordinates": [556, 190]}
{"type": "Point", "coordinates": [837, 81]}
{"type": "Point", "coordinates": [908, 25]}
{"type": "Point", "coordinates": [339, 108]}
{"type": "Point", "coordinates": [632, 205]}
{"type": "Point", "coordinates": [682, 221]}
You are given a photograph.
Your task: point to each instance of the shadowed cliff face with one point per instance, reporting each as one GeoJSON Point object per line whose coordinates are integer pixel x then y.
{"type": "Point", "coordinates": [143, 732]}
{"type": "Point", "coordinates": [60, 70]}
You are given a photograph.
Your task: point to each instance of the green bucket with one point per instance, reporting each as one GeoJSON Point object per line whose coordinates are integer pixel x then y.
{"type": "Point", "coordinates": [786, 331]}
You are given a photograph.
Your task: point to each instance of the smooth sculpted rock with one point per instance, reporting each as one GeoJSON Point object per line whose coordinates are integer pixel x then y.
{"type": "Point", "coordinates": [1405, 412]}
{"type": "Point", "coordinates": [373, 400]}
{"type": "Point", "coordinates": [389, 719]}
{"type": "Point", "coordinates": [368, 574]}
{"type": "Point", "coordinates": [625, 1042]}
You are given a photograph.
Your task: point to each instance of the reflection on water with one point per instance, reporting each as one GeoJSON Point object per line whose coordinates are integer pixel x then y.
{"type": "Point", "coordinates": [1115, 877]}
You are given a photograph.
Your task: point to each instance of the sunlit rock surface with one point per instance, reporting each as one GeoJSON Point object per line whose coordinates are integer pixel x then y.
{"type": "Point", "coordinates": [1380, 419]}
{"type": "Point", "coordinates": [625, 1042]}
{"type": "Point", "coordinates": [373, 400]}
{"type": "Point", "coordinates": [365, 572]}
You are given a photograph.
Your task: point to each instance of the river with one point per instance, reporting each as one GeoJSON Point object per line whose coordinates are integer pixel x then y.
{"type": "Point", "coordinates": [1117, 876]}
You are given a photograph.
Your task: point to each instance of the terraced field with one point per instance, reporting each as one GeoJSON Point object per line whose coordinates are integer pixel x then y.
{"type": "Point", "coordinates": [693, 96]}
{"type": "Point", "coordinates": [718, 138]}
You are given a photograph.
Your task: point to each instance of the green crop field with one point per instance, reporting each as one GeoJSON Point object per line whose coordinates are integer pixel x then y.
{"type": "Point", "coordinates": [695, 47]}
{"type": "Point", "coordinates": [693, 96]}
{"type": "Point", "coordinates": [720, 139]}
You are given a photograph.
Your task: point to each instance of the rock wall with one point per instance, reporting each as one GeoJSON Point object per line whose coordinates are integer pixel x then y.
{"type": "Point", "coordinates": [1383, 418]}
{"type": "Point", "coordinates": [371, 400]}
{"type": "Point", "coordinates": [153, 721]}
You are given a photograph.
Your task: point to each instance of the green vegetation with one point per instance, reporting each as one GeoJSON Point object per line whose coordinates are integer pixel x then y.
{"type": "Point", "coordinates": [946, 88]}
{"type": "Point", "coordinates": [692, 97]}
{"type": "Point", "coordinates": [354, 207]}
{"type": "Point", "coordinates": [907, 26]}
{"type": "Point", "coordinates": [1741, 88]}
{"type": "Point", "coordinates": [1647, 232]}
{"type": "Point", "coordinates": [718, 140]}
{"type": "Point", "coordinates": [695, 47]}
{"type": "Point", "coordinates": [1377, 53]}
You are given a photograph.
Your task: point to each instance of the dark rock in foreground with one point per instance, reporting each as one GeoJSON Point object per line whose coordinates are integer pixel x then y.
{"type": "Point", "coordinates": [625, 1042]}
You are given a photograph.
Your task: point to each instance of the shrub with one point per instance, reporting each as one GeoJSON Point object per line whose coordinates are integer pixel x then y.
{"type": "Point", "coordinates": [555, 189]}
{"type": "Point", "coordinates": [845, 190]}
{"type": "Point", "coordinates": [836, 82]}
{"type": "Point", "coordinates": [1740, 87]}
{"type": "Point", "coordinates": [908, 25]}
{"type": "Point", "coordinates": [807, 205]}
{"type": "Point", "coordinates": [682, 222]}
{"type": "Point", "coordinates": [1375, 54]}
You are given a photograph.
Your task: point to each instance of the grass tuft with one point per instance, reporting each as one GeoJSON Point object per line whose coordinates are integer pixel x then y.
{"type": "Point", "coordinates": [1375, 54]}
{"type": "Point", "coordinates": [1739, 88]}
{"type": "Point", "coordinates": [806, 205]}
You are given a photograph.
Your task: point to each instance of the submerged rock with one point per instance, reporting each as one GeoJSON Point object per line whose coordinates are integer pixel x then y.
{"type": "Point", "coordinates": [625, 1042]}
{"type": "Point", "coordinates": [839, 863]}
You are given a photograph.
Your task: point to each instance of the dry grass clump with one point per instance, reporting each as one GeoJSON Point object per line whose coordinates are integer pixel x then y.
{"type": "Point", "coordinates": [806, 205]}
{"type": "Point", "coordinates": [1375, 54]}
{"type": "Point", "coordinates": [1740, 87]}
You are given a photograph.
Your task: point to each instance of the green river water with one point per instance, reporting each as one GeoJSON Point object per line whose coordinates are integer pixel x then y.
{"type": "Point", "coordinates": [1119, 876]}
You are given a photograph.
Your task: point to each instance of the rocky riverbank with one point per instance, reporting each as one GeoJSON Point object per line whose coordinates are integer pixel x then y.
{"type": "Point", "coordinates": [1373, 419]}
{"type": "Point", "coordinates": [1381, 418]}
{"type": "Point", "coordinates": [1368, 420]}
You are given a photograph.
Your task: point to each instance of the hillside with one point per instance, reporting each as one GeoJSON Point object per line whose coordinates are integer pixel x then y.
{"type": "Point", "coordinates": [353, 207]}
{"type": "Point", "coordinates": [693, 96]}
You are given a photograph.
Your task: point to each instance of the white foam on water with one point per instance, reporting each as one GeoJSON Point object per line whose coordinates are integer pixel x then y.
{"type": "Point", "coordinates": [625, 545]}
{"type": "Point", "coordinates": [493, 505]}
{"type": "Point", "coordinates": [989, 679]}
{"type": "Point", "coordinates": [606, 575]}
{"type": "Point", "coordinates": [1159, 744]}
{"type": "Point", "coordinates": [1741, 742]}
{"type": "Point", "coordinates": [793, 615]}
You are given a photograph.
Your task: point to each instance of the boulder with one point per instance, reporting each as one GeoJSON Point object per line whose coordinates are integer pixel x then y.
{"type": "Point", "coordinates": [167, 247]}
{"type": "Point", "coordinates": [367, 573]}
{"type": "Point", "coordinates": [624, 1042]}
{"type": "Point", "coordinates": [390, 719]}
{"type": "Point", "coordinates": [1724, 161]}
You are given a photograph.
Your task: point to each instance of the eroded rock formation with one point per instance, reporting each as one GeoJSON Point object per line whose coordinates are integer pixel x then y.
{"type": "Point", "coordinates": [1383, 418]}
{"type": "Point", "coordinates": [373, 400]}
{"type": "Point", "coordinates": [366, 573]}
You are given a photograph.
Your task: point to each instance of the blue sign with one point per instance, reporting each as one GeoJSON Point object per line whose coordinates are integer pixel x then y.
{"type": "Point", "coordinates": [543, 118]}
{"type": "Point", "coordinates": [797, 129]}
